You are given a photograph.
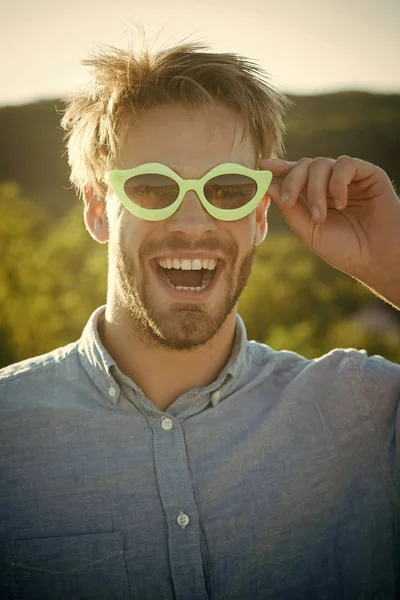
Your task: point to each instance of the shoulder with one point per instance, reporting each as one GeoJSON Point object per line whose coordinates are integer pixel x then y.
{"type": "Point", "coordinates": [32, 370]}
{"type": "Point", "coordinates": [347, 386]}
{"type": "Point", "coordinates": [349, 365]}
{"type": "Point", "coordinates": [339, 357]}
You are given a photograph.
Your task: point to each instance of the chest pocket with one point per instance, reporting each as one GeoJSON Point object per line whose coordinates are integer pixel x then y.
{"type": "Point", "coordinates": [83, 567]}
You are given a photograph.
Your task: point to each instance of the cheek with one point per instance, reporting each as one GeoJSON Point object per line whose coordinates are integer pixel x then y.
{"type": "Point", "coordinates": [253, 227]}
{"type": "Point", "coordinates": [125, 229]}
{"type": "Point", "coordinates": [245, 233]}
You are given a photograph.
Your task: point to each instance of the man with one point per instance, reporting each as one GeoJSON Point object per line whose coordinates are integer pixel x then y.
{"type": "Point", "coordinates": [163, 455]}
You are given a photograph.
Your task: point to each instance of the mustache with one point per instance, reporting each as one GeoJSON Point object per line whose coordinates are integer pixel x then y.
{"type": "Point", "coordinates": [175, 244]}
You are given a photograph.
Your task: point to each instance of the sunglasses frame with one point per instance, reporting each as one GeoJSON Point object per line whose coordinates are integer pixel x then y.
{"type": "Point", "coordinates": [117, 179]}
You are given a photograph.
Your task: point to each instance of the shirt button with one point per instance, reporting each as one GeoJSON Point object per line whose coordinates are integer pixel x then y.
{"type": "Point", "coordinates": [167, 424]}
{"type": "Point", "coordinates": [112, 391]}
{"type": "Point", "coordinates": [183, 520]}
{"type": "Point", "coordinates": [215, 396]}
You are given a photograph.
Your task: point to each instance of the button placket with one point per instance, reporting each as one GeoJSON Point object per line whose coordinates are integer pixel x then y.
{"type": "Point", "coordinates": [183, 520]}
{"type": "Point", "coordinates": [112, 391]}
{"type": "Point", "coordinates": [216, 395]}
{"type": "Point", "coordinates": [177, 497]}
{"type": "Point", "coordinates": [167, 423]}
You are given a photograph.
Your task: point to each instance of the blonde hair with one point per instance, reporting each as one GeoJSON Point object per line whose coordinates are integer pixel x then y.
{"type": "Point", "coordinates": [125, 82]}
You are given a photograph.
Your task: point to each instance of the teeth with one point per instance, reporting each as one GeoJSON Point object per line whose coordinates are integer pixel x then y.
{"type": "Point", "coordinates": [192, 289]}
{"type": "Point", "coordinates": [188, 265]}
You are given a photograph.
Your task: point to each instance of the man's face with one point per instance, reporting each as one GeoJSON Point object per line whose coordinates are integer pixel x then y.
{"type": "Point", "coordinates": [191, 142]}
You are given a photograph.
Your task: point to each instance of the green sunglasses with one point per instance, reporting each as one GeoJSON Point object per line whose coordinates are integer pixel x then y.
{"type": "Point", "coordinates": [154, 192]}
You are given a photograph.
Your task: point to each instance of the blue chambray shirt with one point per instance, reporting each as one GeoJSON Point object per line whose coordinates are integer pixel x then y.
{"type": "Point", "coordinates": [279, 480]}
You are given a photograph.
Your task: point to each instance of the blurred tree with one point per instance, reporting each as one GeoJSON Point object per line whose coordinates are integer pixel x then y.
{"type": "Point", "coordinates": [295, 301]}
{"type": "Point", "coordinates": [362, 124]}
{"type": "Point", "coordinates": [22, 224]}
{"type": "Point", "coordinates": [32, 153]}
{"type": "Point", "coordinates": [52, 276]}
{"type": "Point", "coordinates": [72, 269]}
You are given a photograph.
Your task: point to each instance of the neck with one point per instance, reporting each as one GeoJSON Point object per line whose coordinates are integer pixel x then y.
{"type": "Point", "coordinates": [177, 371]}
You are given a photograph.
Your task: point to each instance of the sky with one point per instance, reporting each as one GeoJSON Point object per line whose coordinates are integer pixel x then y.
{"type": "Point", "coordinates": [306, 47]}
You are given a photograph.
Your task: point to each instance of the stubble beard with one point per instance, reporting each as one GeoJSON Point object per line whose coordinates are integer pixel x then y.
{"type": "Point", "coordinates": [187, 326]}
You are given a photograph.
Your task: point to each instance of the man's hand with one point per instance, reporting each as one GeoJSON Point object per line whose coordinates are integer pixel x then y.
{"type": "Point", "coordinates": [357, 229]}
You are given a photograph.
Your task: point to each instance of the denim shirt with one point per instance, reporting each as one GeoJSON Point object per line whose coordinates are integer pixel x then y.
{"type": "Point", "coordinates": [279, 480]}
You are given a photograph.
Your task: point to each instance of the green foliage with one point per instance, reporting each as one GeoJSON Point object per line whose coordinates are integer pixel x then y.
{"type": "Point", "coordinates": [361, 124]}
{"type": "Point", "coordinates": [295, 301]}
{"type": "Point", "coordinates": [52, 276]}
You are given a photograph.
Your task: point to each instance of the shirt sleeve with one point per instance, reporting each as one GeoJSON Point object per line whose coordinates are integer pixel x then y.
{"type": "Point", "coordinates": [380, 398]}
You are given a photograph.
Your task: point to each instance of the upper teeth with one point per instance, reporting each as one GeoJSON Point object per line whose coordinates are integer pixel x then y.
{"type": "Point", "coordinates": [188, 265]}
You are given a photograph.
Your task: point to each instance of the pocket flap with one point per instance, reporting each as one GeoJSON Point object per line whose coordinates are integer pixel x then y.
{"type": "Point", "coordinates": [66, 554]}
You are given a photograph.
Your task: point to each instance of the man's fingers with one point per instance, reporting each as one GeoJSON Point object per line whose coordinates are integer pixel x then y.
{"type": "Point", "coordinates": [288, 179]}
{"type": "Point", "coordinates": [307, 178]}
{"type": "Point", "coordinates": [319, 175]}
{"type": "Point", "coordinates": [279, 169]}
{"type": "Point", "coordinates": [300, 222]}
{"type": "Point", "coordinates": [277, 166]}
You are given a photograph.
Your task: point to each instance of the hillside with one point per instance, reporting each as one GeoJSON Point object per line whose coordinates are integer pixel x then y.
{"type": "Point", "coordinates": [361, 124]}
{"type": "Point", "coordinates": [53, 275]}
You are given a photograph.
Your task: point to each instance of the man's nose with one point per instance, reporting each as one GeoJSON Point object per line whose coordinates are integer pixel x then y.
{"type": "Point", "coordinates": [191, 217]}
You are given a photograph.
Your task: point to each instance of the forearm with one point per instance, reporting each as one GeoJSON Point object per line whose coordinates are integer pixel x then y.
{"type": "Point", "coordinates": [386, 285]}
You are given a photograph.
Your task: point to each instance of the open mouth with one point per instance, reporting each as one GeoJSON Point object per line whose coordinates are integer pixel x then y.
{"type": "Point", "coordinates": [193, 277]}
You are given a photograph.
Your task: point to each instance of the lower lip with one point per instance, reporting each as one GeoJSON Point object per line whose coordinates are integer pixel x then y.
{"type": "Point", "coordinates": [189, 295]}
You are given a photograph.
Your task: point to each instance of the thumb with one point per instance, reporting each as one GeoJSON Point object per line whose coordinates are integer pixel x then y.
{"type": "Point", "coordinates": [279, 169]}
{"type": "Point", "coordinates": [299, 219]}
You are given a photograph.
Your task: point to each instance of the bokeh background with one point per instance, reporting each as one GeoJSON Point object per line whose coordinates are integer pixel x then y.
{"type": "Point", "coordinates": [337, 60]}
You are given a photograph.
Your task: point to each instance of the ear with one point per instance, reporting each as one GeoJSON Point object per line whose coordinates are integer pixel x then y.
{"type": "Point", "coordinates": [261, 220]}
{"type": "Point", "coordinates": [95, 216]}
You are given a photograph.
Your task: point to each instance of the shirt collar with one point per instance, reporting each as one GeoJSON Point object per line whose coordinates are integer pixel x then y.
{"type": "Point", "coordinates": [95, 358]}
{"type": "Point", "coordinates": [101, 366]}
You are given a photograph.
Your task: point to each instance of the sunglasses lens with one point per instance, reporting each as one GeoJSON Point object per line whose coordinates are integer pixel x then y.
{"type": "Point", "coordinates": [230, 191]}
{"type": "Point", "coordinates": [151, 191]}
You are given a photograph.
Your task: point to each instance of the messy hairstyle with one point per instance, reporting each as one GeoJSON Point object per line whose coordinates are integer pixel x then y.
{"type": "Point", "coordinates": [124, 82]}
